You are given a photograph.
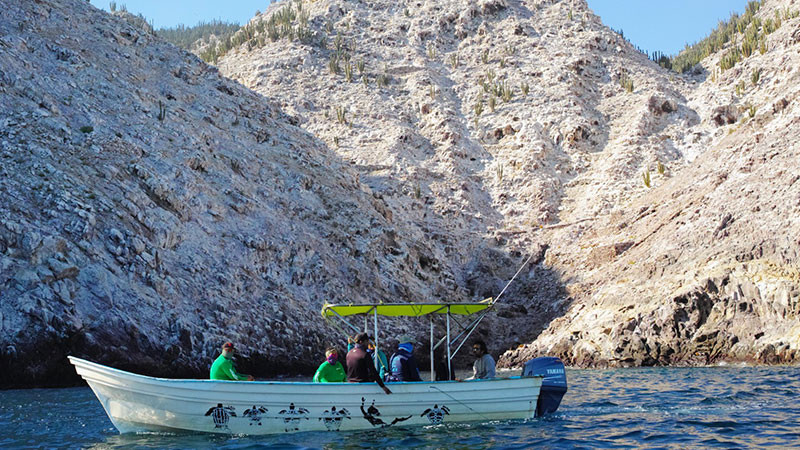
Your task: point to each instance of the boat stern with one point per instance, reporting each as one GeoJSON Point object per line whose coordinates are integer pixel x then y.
{"type": "Point", "coordinates": [554, 384]}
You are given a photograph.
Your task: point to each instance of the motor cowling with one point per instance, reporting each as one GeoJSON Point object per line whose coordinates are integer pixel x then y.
{"type": "Point", "coordinates": [554, 384]}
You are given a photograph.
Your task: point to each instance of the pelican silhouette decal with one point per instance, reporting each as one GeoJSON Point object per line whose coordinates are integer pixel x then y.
{"type": "Point", "coordinates": [372, 414]}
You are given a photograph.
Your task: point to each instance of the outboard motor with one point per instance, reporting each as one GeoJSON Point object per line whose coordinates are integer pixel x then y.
{"type": "Point", "coordinates": [554, 385]}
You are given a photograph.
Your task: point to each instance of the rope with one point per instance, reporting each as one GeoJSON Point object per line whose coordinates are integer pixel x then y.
{"type": "Point", "coordinates": [459, 401]}
{"type": "Point", "coordinates": [512, 278]}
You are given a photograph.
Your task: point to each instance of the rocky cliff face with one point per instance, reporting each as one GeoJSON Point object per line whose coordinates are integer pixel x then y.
{"type": "Point", "coordinates": [521, 128]}
{"type": "Point", "coordinates": [703, 267]}
{"type": "Point", "coordinates": [152, 208]}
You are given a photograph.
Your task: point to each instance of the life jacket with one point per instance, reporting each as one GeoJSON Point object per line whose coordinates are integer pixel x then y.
{"type": "Point", "coordinates": [403, 367]}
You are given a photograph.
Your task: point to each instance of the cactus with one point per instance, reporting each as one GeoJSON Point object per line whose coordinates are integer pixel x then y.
{"type": "Point", "coordinates": [506, 92]}
{"type": "Point", "coordinates": [755, 76]}
{"type": "Point", "coordinates": [646, 177]}
{"type": "Point", "coordinates": [492, 102]}
{"type": "Point", "coordinates": [626, 82]}
{"type": "Point", "coordinates": [333, 64]}
{"type": "Point", "coordinates": [338, 42]}
{"type": "Point", "coordinates": [341, 115]}
{"type": "Point", "coordinates": [162, 111]}
{"type": "Point", "coordinates": [431, 51]}
{"type": "Point", "coordinates": [739, 88]}
{"type": "Point", "coordinates": [524, 88]}
{"type": "Point", "coordinates": [361, 66]}
{"type": "Point", "coordinates": [730, 58]}
{"type": "Point", "coordinates": [751, 111]}
{"type": "Point", "coordinates": [661, 168]}
{"type": "Point", "coordinates": [454, 60]}
{"type": "Point", "coordinates": [348, 72]}
{"type": "Point", "coordinates": [478, 107]}
{"type": "Point", "coordinates": [485, 56]}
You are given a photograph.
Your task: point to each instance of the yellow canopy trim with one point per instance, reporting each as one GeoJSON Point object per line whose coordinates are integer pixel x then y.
{"type": "Point", "coordinates": [406, 309]}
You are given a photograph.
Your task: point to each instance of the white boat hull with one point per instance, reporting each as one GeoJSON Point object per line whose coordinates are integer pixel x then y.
{"type": "Point", "coordinates": [137, 403]}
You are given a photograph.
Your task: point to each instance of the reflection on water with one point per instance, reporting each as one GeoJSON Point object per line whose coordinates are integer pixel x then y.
{"type": "Point", "coordinates": [722, 407]}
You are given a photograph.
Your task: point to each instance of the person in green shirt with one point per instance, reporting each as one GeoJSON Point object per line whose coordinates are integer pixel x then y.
{"type": "Point", "coordinates": [222, 369]}
{"type": "Point", "coordinates": [330, 371]}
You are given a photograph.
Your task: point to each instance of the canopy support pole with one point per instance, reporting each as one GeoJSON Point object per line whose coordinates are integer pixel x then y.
{"type": "Point", "coordinates": [433, 374]}
{"type": "Point", "coordinates": [366, 323]}
{"type": "Point", "coordinates": [338, 328]}
{"type": "Point", "coordinates": [352, 327]}
{"type": "Point", "coordinates": [375, 310]}
{"type": "Point", "coordinates": [468, 334]}
{"type": "Point", "coordinates": [449, 370]}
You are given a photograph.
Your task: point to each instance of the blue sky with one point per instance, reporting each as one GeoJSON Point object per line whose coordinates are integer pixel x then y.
{"type": "Point", "coordinates": [664, 25]}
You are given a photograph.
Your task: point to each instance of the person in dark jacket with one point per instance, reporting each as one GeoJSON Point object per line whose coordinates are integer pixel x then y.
{"type": "Point", "coordinates": [360, 366]}
{"type": "Point", "coordinates": [403, 365]}
{"type": "Point", "coordinates": [440, 366]}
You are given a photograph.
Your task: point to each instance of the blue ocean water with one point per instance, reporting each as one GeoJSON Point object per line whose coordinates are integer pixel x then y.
{"type": "Point", "coordinates": [720, 407]}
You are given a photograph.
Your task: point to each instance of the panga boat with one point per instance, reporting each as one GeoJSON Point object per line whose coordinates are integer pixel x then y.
{"type": "Point", "coordinates": [137, 403]}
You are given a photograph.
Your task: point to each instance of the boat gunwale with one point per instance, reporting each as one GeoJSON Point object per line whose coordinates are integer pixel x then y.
{"type": "Point", "coordinates": [146, 379]}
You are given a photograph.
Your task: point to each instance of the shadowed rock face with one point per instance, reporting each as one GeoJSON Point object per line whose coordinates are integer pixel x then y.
{"type": "Point", "coordinates": [152, 209]}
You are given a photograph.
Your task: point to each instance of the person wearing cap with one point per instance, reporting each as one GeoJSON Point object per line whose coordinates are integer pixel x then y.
{"type": "Point", "coordinates": [360, 366]}
{"type": "Point", "coordinates": [403, 365]}
{"type": "Point", "coordinates": [378, 355]}
{"type": "Point", "coordinates": [331, 370]}
{"type": "Point", "coordinates": [222, 369]}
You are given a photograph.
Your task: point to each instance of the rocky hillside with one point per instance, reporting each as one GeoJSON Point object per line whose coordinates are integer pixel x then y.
{"type": "Point", "coordinates": [501, 129]}
{"type": "Point", "coordinates": [152, 209]}
{"type": "Point", "coordinates": [703, 267]}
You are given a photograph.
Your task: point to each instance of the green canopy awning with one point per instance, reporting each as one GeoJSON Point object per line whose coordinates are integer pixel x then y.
{"type": "Point", "coordinates": [406, 309]}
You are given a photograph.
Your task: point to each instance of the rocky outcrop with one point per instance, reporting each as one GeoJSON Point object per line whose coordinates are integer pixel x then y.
{"type": "Point", "coordinates": [711, 272]}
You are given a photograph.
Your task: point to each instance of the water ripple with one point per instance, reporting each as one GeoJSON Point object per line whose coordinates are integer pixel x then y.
{"type": "Point", "coordinates": [664, 408]}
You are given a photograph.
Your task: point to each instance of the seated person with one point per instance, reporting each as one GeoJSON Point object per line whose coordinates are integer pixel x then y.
{"type": "Point", "coordinates": [381, 364]}
{"type": "Point", "coordinates": [360, 366]}
{"type": "Point", "coordinates": [403, 365]}
{"type": "Point", "coordinates": [330, 371]}
{"type": "Point", "coordinates": [440, 366]}
{"type": "Point", "coordinates": [484, 366]}
{"type": "Point", "coordinates": [222, 369]}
